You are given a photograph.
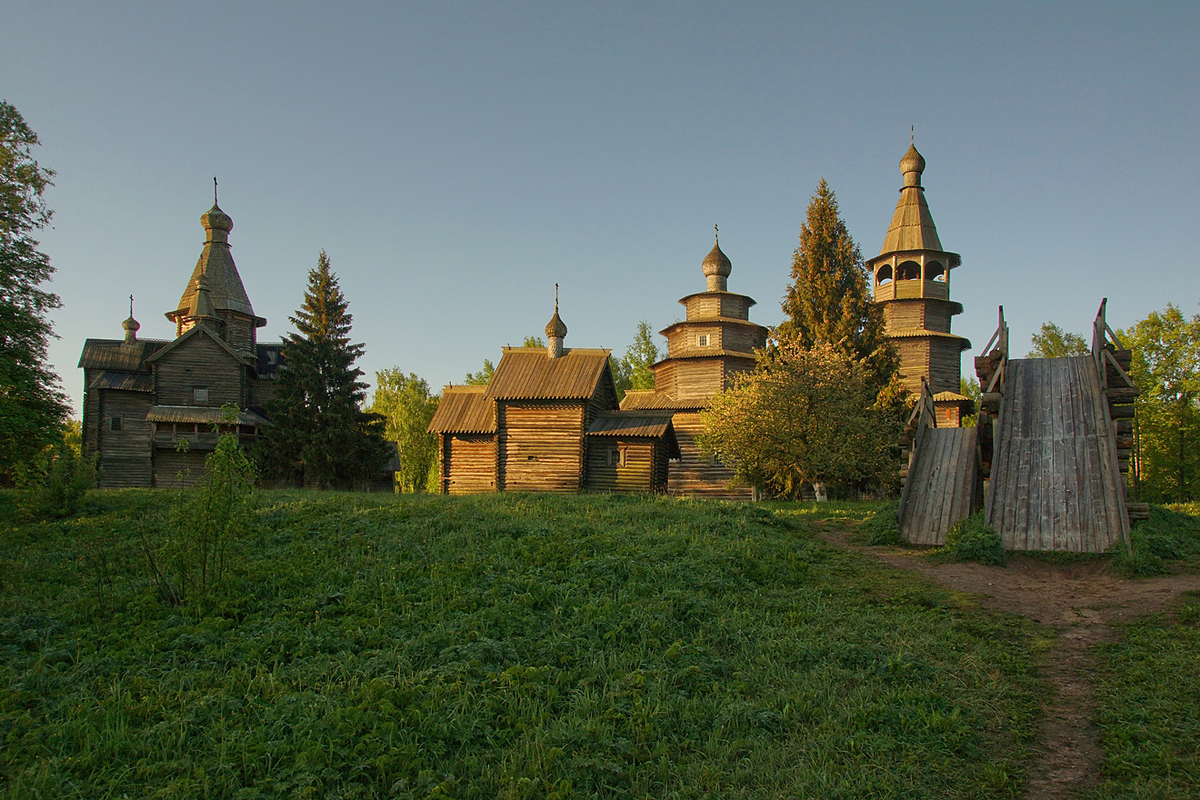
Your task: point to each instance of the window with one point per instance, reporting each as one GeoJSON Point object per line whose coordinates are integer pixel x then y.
{"type": "Point", "coordinates": [615, 457]}
{"type": "Point", "coordinates": [200, 394]}
{"type": "Point", "coordinates": [702, 340]}
{"type": "Point", "coordinates": [114, 423]}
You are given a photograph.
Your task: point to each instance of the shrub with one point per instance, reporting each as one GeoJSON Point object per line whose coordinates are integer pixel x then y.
{"type": "Point", "coordinates": [883, 527]}
{"type": "Point", "coordinates": [1170, 534]}
{"type": "Point", "coordinates": [207, 522]}
{"type": "Point", "coordinates": [972, 539]}
{"type": "Point", "coordinates": [55, 484]}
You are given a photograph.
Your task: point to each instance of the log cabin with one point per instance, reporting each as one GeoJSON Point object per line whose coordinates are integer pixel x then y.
{"type": "Point", "coordinates": [154, 408]}
{"type": "Point", "coordinates": [548, 421]}
{"type": "Point", "coordinates": [705, 351]}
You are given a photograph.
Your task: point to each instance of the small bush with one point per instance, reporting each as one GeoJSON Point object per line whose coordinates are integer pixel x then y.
{"type": "Point", "coordinates": [1168, 535]}
{"type": "Point", "coordinates": [55, 484]}
{"type": "Point", "coordinates": [208, 522]}
{"type": "Point", "coordinates": [972, 539]}
{"type": "Point", "coordinates": [882, 527]}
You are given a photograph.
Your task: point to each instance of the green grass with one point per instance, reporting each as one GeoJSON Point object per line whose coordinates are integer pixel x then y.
{"type": "Point", "coordinates": [501, 647]}
{"type": "Point", "coordinates": [1171, 534]}
{"type": "Point", "coordinates": [1150, 707]}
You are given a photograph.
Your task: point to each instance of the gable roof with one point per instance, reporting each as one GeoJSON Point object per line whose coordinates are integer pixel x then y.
{"type": "Point", "coordinates": [246, 359]}
{"type": "Point", "coordinates": [464, 409]}
{"type": "Point", "coordinates": [528, 373]}
{"type": "Point", "coordinates": [648, 399]}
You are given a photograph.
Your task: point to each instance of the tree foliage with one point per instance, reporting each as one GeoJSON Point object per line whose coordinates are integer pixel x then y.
{"type": "Point", "coordinates": [806, 415]}
{"type": "Point", "coordinates": [407, 407]}
{"type": "Point", "coordinates": [32, 405]}
{"type": "Point", "coordinates": [828, 300]}
{"type": "Point", "coordinates": [633, 371]}
{"type": "Point", "coordinates": [1166, 367]}
{"type": "Point", "coordinates": [1052, 341]}
{"type": "Point", "coordinates": [321, 435]}
{"type": "Point", "coordinates": [483, 377]}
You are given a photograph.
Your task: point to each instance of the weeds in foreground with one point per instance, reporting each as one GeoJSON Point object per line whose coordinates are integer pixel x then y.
{"type": "Point", "coordinates": [972, 539]}
{"type": "Point", "coordinates": [883, 527]}
{"type": "Point", "coordinates": [1170, 534]}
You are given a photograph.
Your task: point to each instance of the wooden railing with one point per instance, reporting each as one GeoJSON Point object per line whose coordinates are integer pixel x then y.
{"type": "Point", "coordinates": [1106, 348]}
{"type": "Point", "coordinates": [1112, 362]}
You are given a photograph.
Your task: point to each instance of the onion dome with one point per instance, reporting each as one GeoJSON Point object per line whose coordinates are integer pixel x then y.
{"type": "Point", "coordinates": [716, 266]}
{"type": "Point", "coordinates": [717, 263]}
{"type": "Point", "coordinates": [911, 166]}
{"type": "Point", "coordinates": [556, 328]}
{"type": "Point", "coordinates": [131, 327]}
{"type": "Point", "coordinates": [216, 219]}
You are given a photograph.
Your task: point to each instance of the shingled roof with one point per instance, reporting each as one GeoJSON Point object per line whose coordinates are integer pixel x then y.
{"type": "Point", "coordinates": [464, 409]}
{"type": "Point", "coordinates": [119, 354]}
{"type": "Point", "coordinates": [216, 265]}
{"type": "Point", "coordinates": [912, 225]}
{"type": "Point", "coordinates": [637, 425]}
{"type": "Point", "coordinates": [526, 373]}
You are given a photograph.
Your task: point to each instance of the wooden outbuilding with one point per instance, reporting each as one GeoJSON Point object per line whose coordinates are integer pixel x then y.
{"type": "Point", "coordinates": [153, 409]}
{"type": "Point", "coordinates": [705, 351]}
{"type": "Point", "coordinates": [539, 423]}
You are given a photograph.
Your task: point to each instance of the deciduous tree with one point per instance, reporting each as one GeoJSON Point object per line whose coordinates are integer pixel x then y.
{"type": "Point", "coordinates": [322, 436]}
{"type": "Point", "coordinates": [805, 416]}
{"type": "Point", "coordinates": [32, 405]}
{"type": "Point", "coordinates": [407, 406]}
{"type": "Point", "coordinates": [1052, 341]}
{"type": "Point", "coordinates": [1166, 367]}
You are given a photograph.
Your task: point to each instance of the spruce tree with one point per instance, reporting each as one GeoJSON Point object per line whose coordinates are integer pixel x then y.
{"type": "Point", "coordinates": [828, 300]}
{"type": "Point", "coordinates": [33, 408]}
{"type": "Point", "coordinates": [321, 435]}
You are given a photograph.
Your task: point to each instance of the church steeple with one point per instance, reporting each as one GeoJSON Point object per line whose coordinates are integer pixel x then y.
{"type": "Point", "coordinates": [226, 296]}
{"type": "Point", "coordinates": [912, 282]}
{"type": "Point", "coordinates": [556, 331]}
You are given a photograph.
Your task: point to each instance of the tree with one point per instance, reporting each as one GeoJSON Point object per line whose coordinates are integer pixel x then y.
{"type": "Point", "coordinates": [805, 416]}
{"type": "Point", "coordinates": [407, 406]}
{"type": "Point", "coordinates": [33, 407]}
{"type": "Point", "coordinates": [634, 370]}
{"type": "Point", "coordinates": [483, 377]}
{"type": "Point", "coordinates": [1053, 342]}
{"type": "Point", "coordinates": [969, 387]}
{"type": "Point", "coordinates": [321, 435]}
{"type": "Point", "coordinates": [1166, 367]}
{"type": "Point", "coordinates": [828, 300]}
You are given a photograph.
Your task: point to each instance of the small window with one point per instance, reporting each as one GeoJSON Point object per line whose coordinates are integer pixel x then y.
{"type": "Point", "coordinates": [615, 457]}
{"type": "Point", "coordinates": [114, 423]}
{"type": "Point", "coordinates": [200, 395]}
{"type": "Point", "coordinates": [703, 340]}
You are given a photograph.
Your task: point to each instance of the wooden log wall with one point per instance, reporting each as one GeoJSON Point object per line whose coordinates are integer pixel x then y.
{"type": "Point", "coordinates": [200, 362]}
{"type": "Point", "coordinates": [172, 469]}
{"type": "Point", "coordinates": [699, 378]}
{"type": "Point", "coordinates": [939, 359]}
{"type": "Point", "coordinates": [468, 463]}
{"type": "Point", "coordinates": [920, 315]}
{"type": "Point", "coordinates": [125, 454]}
{"type": "Point", "coordinates": [541, 447]}
{"type": "Point", "coordinates": [696, 475]}
{"type": "Point", "coordinates": [607, 474]}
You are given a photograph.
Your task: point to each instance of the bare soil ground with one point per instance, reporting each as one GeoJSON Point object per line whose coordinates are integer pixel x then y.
{"type": "Point", "coordinates": [1084, 603]}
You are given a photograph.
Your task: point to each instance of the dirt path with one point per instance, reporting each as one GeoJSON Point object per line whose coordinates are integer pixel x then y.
{"type": "Point", "coordinates": [1084, 604]}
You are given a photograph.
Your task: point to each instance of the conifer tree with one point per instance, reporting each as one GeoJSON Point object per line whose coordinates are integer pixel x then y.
{"type": "Point", "coordinates": [828, 301]}
{"type": "Point", "coordinates": [32, 406]}
{"type": "Point", "coordinates": [321, 435]}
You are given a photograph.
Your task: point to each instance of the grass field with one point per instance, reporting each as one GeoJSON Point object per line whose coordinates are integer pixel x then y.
{"type": "Point", "coordinates": [502, 647]}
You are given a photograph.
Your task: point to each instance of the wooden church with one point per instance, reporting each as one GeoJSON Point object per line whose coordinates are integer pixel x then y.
{"type": "Point", "coordinates": [548, 421]}
{"type": "Point", "coordinates": [715, 342]}
{"type": "Point", "coordinates": [152, 408]}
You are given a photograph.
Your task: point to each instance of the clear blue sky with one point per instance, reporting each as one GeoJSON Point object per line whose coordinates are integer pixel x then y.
{"type": "Point", "coordinates": [457, 159]}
